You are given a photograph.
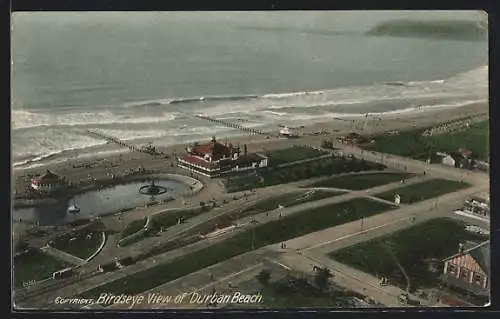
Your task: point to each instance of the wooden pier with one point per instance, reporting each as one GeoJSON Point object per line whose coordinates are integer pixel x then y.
{"type": "Point", "coordinates": [119, 142]}
{"type": "Point", "coordinates": [233, 125]}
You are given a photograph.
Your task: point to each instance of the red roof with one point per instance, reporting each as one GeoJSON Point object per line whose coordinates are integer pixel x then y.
{"type": "Point", "coordinates": [214, 148]}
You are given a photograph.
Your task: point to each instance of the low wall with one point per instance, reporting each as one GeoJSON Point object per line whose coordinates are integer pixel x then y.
{"type": "Point", "coordinates": [101, 246]}
{"type": "Point", "coordinates": [69, 192]}
{"type": "Point", "coordinates": [193, 183]}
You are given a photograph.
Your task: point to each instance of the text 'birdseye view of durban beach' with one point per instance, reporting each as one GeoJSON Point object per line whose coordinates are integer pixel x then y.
{"type": "Point", "coordinates": [250, 160]}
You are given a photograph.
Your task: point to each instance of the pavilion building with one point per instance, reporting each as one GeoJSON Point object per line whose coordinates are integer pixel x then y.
{"type": "Point", "coordinates": [215, 159]}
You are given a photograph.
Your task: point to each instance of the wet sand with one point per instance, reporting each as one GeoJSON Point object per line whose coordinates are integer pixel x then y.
{"type": "Point", "coordinates": [101, 167]}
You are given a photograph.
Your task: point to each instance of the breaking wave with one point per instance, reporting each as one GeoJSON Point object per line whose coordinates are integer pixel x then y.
{"type": "Point", "coordinates": [200, 99]}
{"type": "Point", "coordinates": [22, 119]}
{"type": "Point", "coordinates": [38, 136]}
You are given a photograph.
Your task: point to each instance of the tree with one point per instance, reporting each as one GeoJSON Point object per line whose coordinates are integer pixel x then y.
{"type": "Point", "coordinates": [326, 144]}
{"type": "Point", "coordinates": [264, 276]}
{"type": "Point", "coordinates": [322, 277]}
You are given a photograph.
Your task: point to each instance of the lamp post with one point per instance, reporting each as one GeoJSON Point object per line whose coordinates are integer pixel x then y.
{"type": "Point", "coordinates": [253, 237]}
{"type": "Point", "coordinates": [356, 209]}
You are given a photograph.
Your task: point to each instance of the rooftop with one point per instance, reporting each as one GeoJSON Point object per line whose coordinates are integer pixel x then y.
{"type": "Point", "coordinates": [213, 148]}
{"type": "Point", "coordinates": [48, 176]}
{"type": "Point", "coordinates": [479, 251]}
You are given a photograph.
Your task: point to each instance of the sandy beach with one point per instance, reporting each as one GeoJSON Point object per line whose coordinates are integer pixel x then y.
{"type": "Point", "coordinates": [101, 167]}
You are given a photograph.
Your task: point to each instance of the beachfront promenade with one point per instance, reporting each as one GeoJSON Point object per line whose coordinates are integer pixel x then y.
{"type": "Point", "coordinates": [341, 236]}
{"type": "Point", "coordinates": [432, 171]}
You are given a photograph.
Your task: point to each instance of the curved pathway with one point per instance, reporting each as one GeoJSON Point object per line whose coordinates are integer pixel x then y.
{"type": "Point", "coordinates": [321, 238]}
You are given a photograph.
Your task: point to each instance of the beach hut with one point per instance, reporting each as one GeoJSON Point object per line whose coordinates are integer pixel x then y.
{"type": "Point", "coordinates": [48, 182]}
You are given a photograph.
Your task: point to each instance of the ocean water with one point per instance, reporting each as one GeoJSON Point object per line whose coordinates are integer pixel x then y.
{"type": "Point", "coordinates": [143, 76]}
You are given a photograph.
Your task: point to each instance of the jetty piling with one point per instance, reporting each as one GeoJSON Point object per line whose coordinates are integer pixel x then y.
{"type": "Point", "coordinates": [117, 141]}
{"type": "Point", "coordinates": [233, 125]}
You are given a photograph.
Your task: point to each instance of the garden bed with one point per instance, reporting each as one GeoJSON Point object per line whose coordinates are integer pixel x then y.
{"type": "Point", "coordinates": [273, 232]}
{"type": "Point", "coordinates": [425, 190]}
{"type": "Point", "coordinates": [362, 181]}
{"type": "Point", "coordinates": [414, 248]}
{"type": "Point", "coordinates": [35, 265]}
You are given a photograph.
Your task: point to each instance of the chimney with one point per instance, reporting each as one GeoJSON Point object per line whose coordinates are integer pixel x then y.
{"type": "Point", "coordinates": [245, 149]}
{"type": "Point", "coordinates": [460, 248]}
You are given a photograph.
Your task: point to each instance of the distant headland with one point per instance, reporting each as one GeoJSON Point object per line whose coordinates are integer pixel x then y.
{"type": "Point", "coordinates": [453, 29]}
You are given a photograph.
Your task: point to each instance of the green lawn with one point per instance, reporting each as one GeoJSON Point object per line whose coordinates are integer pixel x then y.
{"type": "Point", "coordinates": [35, 265]}
{"type": "Point", "coordinates": [276, 176]}
{"type": "Point", "coordinates": [476, 139]}
{"type": "Point", "coordinates": [437, 238]}
{"type": "Point", "coordinates": [412, 144]}
{"type": "Point", "coordinates": [133, 239]}
{"type": "Point", "coordinates": [165, 220]}
{"type": "Point", "coordinates": [316, 195]}
{"type": "Point", "coordinates": [270, 204]}
{"type": "Point", "coordinates": [133, 227]}
{"type": "Point", "coordinates": [81, 246]}
{"type": "Point", "coordinates": [288, 200]}
{"type": "Point", "coordinates": [273, 232]}
{"type": "Point", "coordinates": [422, 191]}
{"type": "Point", "coordinates": [171, 218]}
{"type": "Point", "coordinates": [293, 154]}
{"type": "Point", "coordinates": [362, 181]}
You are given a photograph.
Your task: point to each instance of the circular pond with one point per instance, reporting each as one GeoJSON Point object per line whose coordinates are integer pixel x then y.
{"type": "Point", "coordinates": [100, 202]}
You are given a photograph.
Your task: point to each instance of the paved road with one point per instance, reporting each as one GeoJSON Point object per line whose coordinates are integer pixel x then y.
{"type": "Point", "coordinates": [107, 256]}
{"type": "Point", "coordinates": [304, 264]}
{"type": "Point", "coordinates": [447, 202]}
{"type": "Point", "coordinates": [76, 288]}
{"type": "Point", "coordinates": [386, 295]}
{"type": "Point", "coordinates": [111, 250]}
{"type": "Point", "coordinates": [338, 233]}
{"type": "Point", "coordinates": [352, 279]}
{"type": "Point", "coordinates": [261, 218]}
{"type": "Point", "coordinates": [395, 162]}
{"type": "Point", "coordinates": [201, 278]}
{"type": "Point", "coordinates": [93, 282]}
{"type": "Point", "coordinates": [62, 255]}
{"type": "Point", "coordinates": [411, 165]}
{"type": "Point", "coordinates": [343, 237]}
{"type": "Point", "coordinates": [225, 278]}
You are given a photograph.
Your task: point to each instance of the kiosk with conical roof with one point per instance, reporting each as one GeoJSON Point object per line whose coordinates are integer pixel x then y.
{"type": "Point", "coordinates": [48, 182]}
